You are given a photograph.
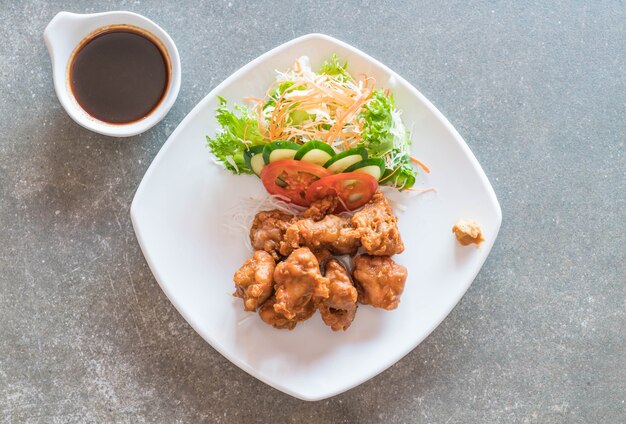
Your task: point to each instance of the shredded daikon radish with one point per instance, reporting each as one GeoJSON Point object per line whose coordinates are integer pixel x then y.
{"type": "Point", "coordinates": [245, 319]}
{"type": "Point", "coordinates": [328, 107]}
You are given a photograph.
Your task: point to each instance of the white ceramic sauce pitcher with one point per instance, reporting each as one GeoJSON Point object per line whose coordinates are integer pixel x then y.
{"type": "Point", "coordinates": [64, 35]}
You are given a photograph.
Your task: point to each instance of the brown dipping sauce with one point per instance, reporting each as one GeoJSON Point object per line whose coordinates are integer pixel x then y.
{"type": "Point", "coordinates": [119, 75]}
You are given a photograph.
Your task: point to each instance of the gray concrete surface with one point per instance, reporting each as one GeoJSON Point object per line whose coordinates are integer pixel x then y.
{"type": "Point", "coordinates": [537, 90]}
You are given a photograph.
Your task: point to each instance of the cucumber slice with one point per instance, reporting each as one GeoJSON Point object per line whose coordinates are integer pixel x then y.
{"type": "Point", "coordinates": [254, 159]}
{"type": "Point", "coordinates": [344, 160]}
{"type": "Point", "coordinates": [372, 166]}
{"type": "Point", "coordinates": [279, 150]}
{"type": "Point", "coordinates": [315, 152]}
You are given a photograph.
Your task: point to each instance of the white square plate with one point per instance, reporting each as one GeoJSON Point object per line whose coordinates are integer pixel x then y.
{"type": "Point", "coordinates": [180, 206]}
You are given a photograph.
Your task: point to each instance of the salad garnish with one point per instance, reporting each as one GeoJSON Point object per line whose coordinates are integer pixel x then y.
{"type": "Point", "coordinates": [329, 118]}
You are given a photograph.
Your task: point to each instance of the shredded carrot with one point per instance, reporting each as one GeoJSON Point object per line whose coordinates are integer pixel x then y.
{"type": "Point", "coordinates": [335, 104]}
{"type": "Point", "coordinates": [420, 164]}
{"type": "Point", "coordinates": [277, 107]}
{"type": "Point", "coordinates": [346, 117]}
{"type": "Point", "coordinates": [366, 81]}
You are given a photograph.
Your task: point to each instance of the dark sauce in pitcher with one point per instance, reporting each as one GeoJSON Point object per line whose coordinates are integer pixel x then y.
{"type": "Point", "coordinates": [119, 75]}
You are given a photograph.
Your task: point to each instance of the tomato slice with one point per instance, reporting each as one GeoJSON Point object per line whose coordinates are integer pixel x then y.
{"type": "Point", "coordinates": [292, 178]}
{"type": "Point", "coordinates": [354, 189]}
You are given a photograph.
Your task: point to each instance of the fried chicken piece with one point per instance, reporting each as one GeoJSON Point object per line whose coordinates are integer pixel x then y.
{"type": "Point", "coordinates": [320, 208]}
{"type": "Point", "coordinates": [379, 281]}
{"type": "Point", "coordinates": [298, 282]}
{"type": "Point", "coordinates": [268, 230]}
{"type": "Point", "coordinates": [278, 320]}
{"type": "Point", "coordinates": [321, 255]}
{"type": "Point", "coordinates": [334, 233]}
{"type": "Point", "coordinates": [339, 309]}
{"type": "Point", "coordinates": [254, 280]}
{"type": "Point", "coordinates": [377, 227]}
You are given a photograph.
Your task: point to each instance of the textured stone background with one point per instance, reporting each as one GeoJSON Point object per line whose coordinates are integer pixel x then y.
{"type": "Point", "coordinates": [539, 93]}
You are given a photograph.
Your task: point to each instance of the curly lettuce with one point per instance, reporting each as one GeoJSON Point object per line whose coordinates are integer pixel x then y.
{"type": "Point", "coordinates": [385, 136]}
{"type": "Point", "coordinates": [377, 119]}
{"type": "Point", "coordinates": [239, 132]}
{"type": "Point", "coordinates": [335, 69]}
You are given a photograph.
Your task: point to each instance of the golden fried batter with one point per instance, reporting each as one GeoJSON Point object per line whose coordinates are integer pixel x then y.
{"type": "Point", "coordinates": [298, 282]}
{"type": "Point", "coordinates": [339, 309]}
{"type": "Point", "coordinates": [268, 230]}
{"type": "Point", "coordinates": [467, 231]}
{"type": "Point", "coordinates": [334, 233]}
{"type": "Point", "coordinates": [278, 320]}
{"type": "Point", "coordinates": [377, 227]}
{"type": "Point", "coordinates": [320, 208]}
{"type": "Point", "coordinates": [379, 281]}
{"type": "Point", "coordinates": [254, 280]}
{"type": "Point", "coordinates": [321, 255]}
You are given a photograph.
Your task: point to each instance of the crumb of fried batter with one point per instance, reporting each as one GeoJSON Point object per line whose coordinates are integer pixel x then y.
{"type": "Point", "coordinates": [467, 231]}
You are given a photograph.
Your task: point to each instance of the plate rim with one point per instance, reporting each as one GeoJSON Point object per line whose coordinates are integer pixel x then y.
{"type": "Point", "coordinates": [493, 201]}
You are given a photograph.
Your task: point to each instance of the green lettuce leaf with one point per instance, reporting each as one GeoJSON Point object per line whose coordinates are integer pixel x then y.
{"type": "Point", "coordinates": [377, 137]}
{"type": "Point", "coordinates": [403, 176]}
{"type": "Point", "coordinates": [334, 68]}
{"type": "Point", "coordinates": [385, 136]}
{"type": "Point", "coordinates": [228, 145]}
